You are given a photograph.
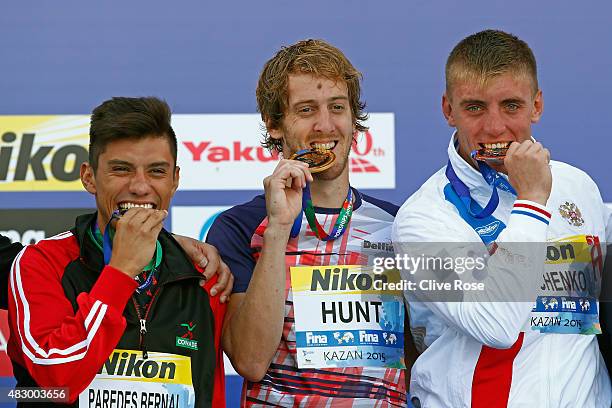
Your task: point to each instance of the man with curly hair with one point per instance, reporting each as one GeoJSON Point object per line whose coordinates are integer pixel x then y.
{"type": "Point", "coordinates": [308, 95]}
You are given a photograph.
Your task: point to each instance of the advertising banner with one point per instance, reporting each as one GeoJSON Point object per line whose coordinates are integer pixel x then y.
{"type": "Point", "coordinates": [215, 152]}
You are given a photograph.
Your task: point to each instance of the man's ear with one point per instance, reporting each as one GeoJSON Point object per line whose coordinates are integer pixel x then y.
{"type": "Point", "coordinates": [275, 133]}
{"type": "Point", "coordinates": [88, 178]}
{"type": "Point", "coordinates": [447, 110]}
{"type": "Point", "coordinates": [175, 184]}
{"type": "Point", "coordinates": [538, 107]}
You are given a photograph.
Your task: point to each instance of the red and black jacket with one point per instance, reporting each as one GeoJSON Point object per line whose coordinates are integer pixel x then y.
{"type": "Point", "coordinates": [68, 312]}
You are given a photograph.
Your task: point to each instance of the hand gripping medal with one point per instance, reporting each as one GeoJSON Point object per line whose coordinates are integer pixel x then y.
{"type": "Point", "coordinates": [108, 249]}
{"type": "Point", "coordinates": [319, 160]}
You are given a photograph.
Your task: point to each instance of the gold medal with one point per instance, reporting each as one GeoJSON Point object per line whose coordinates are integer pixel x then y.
{"type": "Point", "coordinates": [317, 160]}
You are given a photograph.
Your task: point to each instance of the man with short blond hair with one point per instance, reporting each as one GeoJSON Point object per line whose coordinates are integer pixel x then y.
{"type": "Point", "coordinates": [501, 196]}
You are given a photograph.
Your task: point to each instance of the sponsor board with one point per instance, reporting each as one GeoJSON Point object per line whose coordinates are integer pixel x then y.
{"type": "Point", "coordinates": [223, 152]}
{"type": "Point", "coordinates": [31, 225]}
{"type": "Point", "coordinates": [160, 379]}
{"type": "Point", "coordinates": [343, 318]}
{"type": "Point", "coordinates": [42, 153]}
{"type": "Point", "coordinates": [571, 284]}
{"type": "Point", "coordinates": [215, 152]}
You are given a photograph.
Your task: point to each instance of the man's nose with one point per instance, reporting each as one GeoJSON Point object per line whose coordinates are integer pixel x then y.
{"type": "Point", "coordinates": [139, 183]}
{"type": "Point", "coordinates": [324, 122]}
{"type": "Point", "coordinates": [494, 123]}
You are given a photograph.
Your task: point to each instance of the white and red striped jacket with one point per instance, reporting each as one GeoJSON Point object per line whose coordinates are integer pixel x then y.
{"type": "Point", "coordinates": [480, 353]}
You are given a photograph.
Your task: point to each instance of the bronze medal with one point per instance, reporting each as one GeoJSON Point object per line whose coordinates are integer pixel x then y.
{"type": "Point", "coordinates": [317, 160]}
{"type": "Point", "coordinates": [485, 154]}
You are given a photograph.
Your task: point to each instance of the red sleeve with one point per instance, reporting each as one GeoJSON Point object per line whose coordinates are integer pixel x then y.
{"type": "Point", "coordinates": [218, 310]}
{"type": "Point", "coordinates": [58, 347]}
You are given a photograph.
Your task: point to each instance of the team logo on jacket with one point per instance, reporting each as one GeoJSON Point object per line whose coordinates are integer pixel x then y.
{"type": "Point", "coordinates": [186, 340]}
{"type": "Point", "coordinates": [571, 213]}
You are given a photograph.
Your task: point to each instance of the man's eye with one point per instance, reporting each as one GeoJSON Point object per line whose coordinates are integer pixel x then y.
{"type": "Point", "coordinates": [120, 169]}
{"type": "Point", "coordinates": [512, 106]}
{"type": "Point", "coordinates": [158, 171]}
{"type": "Point", "coordinates": [305, 109]}
{"type": "Point", "coordinates": [473, 108]}
{"type": "Point", "coordinates": [338, 107]}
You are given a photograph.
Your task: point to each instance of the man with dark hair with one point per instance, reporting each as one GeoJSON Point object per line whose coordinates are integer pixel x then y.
{"type": "Point", "coordinates": [110, 122]}
{"type": "Point", "coordinates": [500, 196]}
{"type": "Point", "coordinates": [308, 95]}
{"type": "Point", "coordinates": [114, 307]}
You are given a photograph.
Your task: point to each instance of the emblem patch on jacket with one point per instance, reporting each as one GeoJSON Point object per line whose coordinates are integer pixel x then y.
{"type": "Point", "coordinates": [186, 340]}
{"type": "Point", "coordinates": [571, 213]}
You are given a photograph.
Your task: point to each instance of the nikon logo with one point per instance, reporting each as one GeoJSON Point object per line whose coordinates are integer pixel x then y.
{"type": "Point", "coordinates": [28, 158]}
{"type": "Point", "coordinates": [342, 279]}
{"type": "Point", "coordinates": [129, 365]}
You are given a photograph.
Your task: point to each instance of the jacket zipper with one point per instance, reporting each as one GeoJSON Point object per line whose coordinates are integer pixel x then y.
{"type": "Point", "coordinates": [143, 322]}
{"type": "Point", "coordinates": [143, 319]}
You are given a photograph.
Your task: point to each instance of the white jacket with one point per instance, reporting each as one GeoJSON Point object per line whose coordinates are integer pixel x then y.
{"type": "Point", "coordinates": [461, 342]}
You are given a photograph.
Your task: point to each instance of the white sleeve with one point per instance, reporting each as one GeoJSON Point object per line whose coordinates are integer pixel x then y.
{"type": "Point", "coordinates": [496, 315]}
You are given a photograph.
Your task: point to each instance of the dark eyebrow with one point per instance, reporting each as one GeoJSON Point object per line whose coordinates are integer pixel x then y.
{"type": "Point", "coordinates": [115, 162]}
{"type": "Point", "coordinates": [119, 162]}
{"type": "Point", "coordinates": [160, 164]}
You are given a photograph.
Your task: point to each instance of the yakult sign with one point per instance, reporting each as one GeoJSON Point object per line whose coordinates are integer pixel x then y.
{"type": "Point", "coordinates": [222, 152]}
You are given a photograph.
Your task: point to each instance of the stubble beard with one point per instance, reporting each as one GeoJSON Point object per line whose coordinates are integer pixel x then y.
{"type": "Point", "coordinates": [335, 171]}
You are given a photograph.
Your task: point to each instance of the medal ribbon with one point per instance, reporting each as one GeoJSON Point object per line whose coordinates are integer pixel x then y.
{"type": "Point", "coordinates": [493, 178]}
{"type": "Point", "coordinates": [308, 209]}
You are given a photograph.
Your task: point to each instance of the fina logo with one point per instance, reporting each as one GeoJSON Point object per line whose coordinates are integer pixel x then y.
{"type": "Point", "coordinates": [207, 224]}
{"type": "Point", "coordinates": [489, 229]}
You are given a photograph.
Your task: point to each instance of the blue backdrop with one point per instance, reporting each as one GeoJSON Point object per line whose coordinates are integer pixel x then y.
{"type": "Point", "coordinates": [204, 57]}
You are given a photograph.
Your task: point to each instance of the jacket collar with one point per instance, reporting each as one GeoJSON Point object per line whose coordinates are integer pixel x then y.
{"type": "Point", "coordinates": [175, 263]}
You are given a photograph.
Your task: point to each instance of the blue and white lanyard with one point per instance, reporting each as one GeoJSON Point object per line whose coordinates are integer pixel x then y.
{"type": "Point", "coordinates": [492, 178]}
{"type": "Point", "coordinates": [480, 219]}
